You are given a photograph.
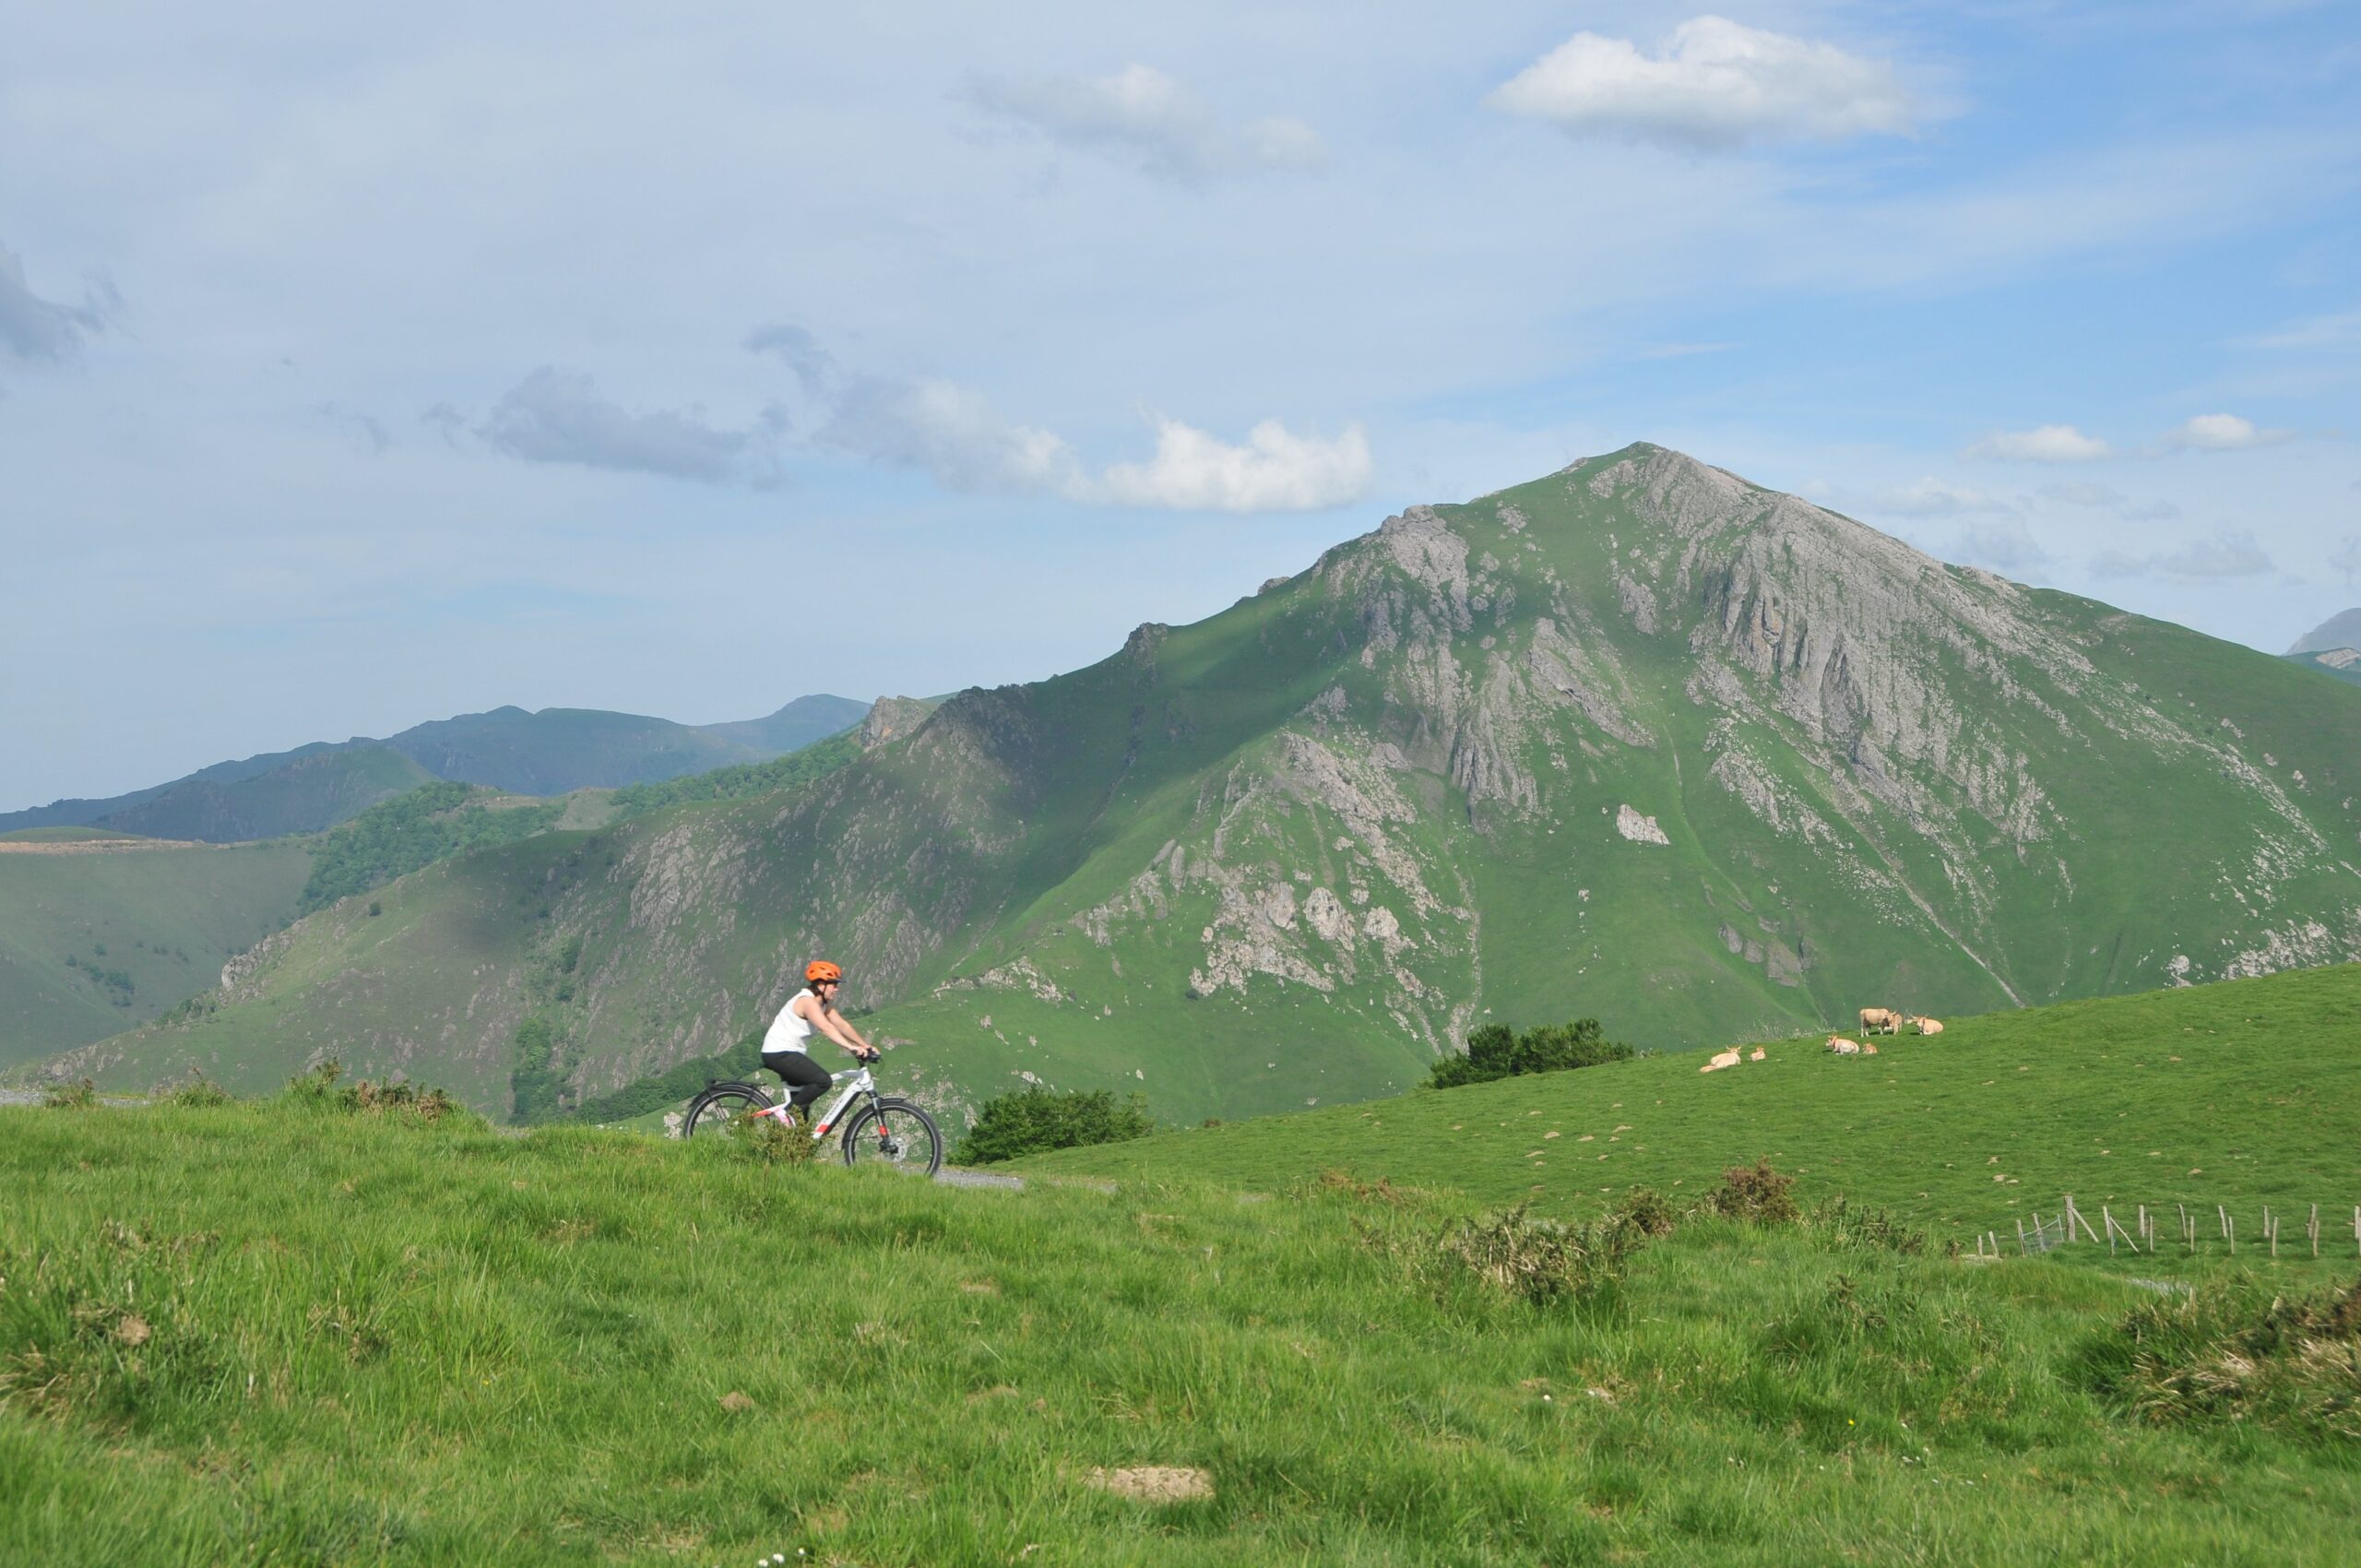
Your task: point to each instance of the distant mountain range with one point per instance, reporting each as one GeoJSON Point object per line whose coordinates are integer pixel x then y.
{"type": "Point", "coordinates": [550, 753]}
{"type": "Point", "coordinates": [1638, 740]}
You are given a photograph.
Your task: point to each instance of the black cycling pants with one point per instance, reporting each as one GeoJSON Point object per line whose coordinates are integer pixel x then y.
{"type": "Point", "coordinates": [805, 1078]}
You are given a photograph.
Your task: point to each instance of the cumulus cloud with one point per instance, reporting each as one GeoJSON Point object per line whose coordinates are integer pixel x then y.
{"type": "Point", "coordinates": [1142, 116]}
{"type": "Point", "coordinates": [1933, 497]}
{"type": "Point", "coordinates": [2046, 443]}
{"type": "Point", "coordinates": [954, 435]}
{"type": "Point", "coordinates": [34, 330]}
{"type": "Point", "coordinates": [2207, 560]}
{"type": "Point", "coordinates": [559, 416]}
{"type": "Point", "coordinates": [1713, 84]}
{"type": "Point", "coordinates": [949, 432]}
{"type": "Point", "coordinates": [2107, 498]}
{"type": "Point", "coordinates": [1274, 471]}
{"type": "Point", "coordinates": [2222, 433]}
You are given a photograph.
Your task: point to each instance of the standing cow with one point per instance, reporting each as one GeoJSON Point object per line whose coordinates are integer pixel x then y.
{"type": "Point", "coordinates": [1880, 1020]}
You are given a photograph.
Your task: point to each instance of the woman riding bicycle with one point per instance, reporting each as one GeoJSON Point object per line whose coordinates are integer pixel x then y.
{"type": "Point", "coordinates": [811, 1010]}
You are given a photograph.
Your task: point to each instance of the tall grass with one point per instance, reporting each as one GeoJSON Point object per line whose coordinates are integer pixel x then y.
{"type": "Point", "coordinates": [279, 1332]}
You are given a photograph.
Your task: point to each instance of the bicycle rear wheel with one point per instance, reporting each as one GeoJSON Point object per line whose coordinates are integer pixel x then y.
{"type": "Point", "coordinates": [896, 1135]}
{"type": "Point", "coordinates": [721, 1112]}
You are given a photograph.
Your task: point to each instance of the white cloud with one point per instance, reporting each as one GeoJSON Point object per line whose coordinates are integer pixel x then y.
{"type": "Point", "coordinates": [2222, 433]}
{"type": "Point", "coordinates": [2047, 444]}
{"type": "Point", "coordinates": [1713, 83]}
{"type": "Point", "coordinates": [953, 435]}
{"type": "Point", "coordinates": [1143, 116]}
{"type": "Point", "coordinates": [950, 432]}
{"type": "Point", "coordinates": [2207, 560]}
{"type": "Point", "coordinates": [38, 331]}
{"type": "Point", "coordinates": [2347, 558]}
{"type": "Point", "coordinates": [1933, 497]}
{"type": "Point", "coordinates": [558, 416]}
{"type": "Point", "coordinates": [1274, 471]}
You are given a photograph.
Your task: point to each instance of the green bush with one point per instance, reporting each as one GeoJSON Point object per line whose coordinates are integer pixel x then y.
{"type": "Point", "coordinates": [1039, 1120]}
{"type": "Point", "coordinates": [199, 1091]}
{"type": "Point", "coordinates": [318, 1090]}
{"type": "Point", "coordinates": [1843, 1224]}
{"type": "Point", "coordinates": [1647, 1211]}
{"type": "Point", "coordinates": [1755, 1193]}
{"type": "Point", "coordinates": [1495, 1051]}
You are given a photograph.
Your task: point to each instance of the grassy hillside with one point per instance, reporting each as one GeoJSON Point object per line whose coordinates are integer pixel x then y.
{"type": "Point", "coordinates": [1637, 740]}
{"type": "Point", "coordinates": [390, 1344]}
{"type": "Point", "coordinates": [2242, 1093]}
{"type": "Point", "coordinates": [144, 926]}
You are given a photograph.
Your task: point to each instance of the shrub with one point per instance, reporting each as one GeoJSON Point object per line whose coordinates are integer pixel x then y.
{"type": "Point", "coordinates": [2239, 1352]}
{"type": "Point", "coordinates": [80, 1094]}
{"type": "Point", "coordinates": [1755, 1193]}
{"type": "Point", "coordinates": [1843, 1224]}
{"type": "Point", "coordinates": [1039, 1120]}
{"type": "Point", "coordinates": [199, 1091]}
{"type": "Point", "coordinates": [1537, 1260]}
{"type": "Point", "coordinates": [1495, 1051]}
{"type": "Point", "coordinates": [318, 1090]}
{"type": "Point", "coordinates": [1646, 1211]}
{"type": "Point", "coordinates": [773, 1141]}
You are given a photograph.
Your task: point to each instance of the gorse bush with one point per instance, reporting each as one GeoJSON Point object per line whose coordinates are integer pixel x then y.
{"type": "Point", "coordinates": [319, 1090]}
{"type": "Point", "coordinates": [1039, 1120]}
{"type": "Point", "coordinates": [1495, 1051]}
{"type": "Point", "coordinates": [1846, 1224]}
{"type": "Point", "coordinates": [1647, 1211]}
{"type": "Point", "coordinates": [1537, 1260]}
{"type": "Point", "coordinates": [199, 1091]}
{"type": "Point", "coordinates": [1755, 1193]}
{"type": "Point", "coordinates": [80, 1095]}
{"type": "Point", "coordinates": [772, 1142]}
{"type": "Point", "coordinates": [2239, 1352]}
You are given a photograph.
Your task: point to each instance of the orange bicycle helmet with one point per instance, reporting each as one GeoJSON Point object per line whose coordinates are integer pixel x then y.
{"type": "Point", "coordinates": [820, 969]}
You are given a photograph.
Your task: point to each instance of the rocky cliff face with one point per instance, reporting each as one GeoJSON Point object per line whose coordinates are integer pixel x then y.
{"type": "Point", "coordinates": [1638, 740]}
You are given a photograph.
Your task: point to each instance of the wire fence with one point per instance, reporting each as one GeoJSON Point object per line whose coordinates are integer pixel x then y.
{"type": "Point", "coordinates": [2143, 1230]}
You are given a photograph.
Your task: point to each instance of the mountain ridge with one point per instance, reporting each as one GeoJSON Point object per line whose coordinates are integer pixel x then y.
{"type": "Point", "coordinates": [1636, 740]}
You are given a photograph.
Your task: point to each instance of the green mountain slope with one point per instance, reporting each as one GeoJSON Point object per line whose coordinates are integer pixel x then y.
{"type": "Point", "coordinates": [1637, 740]}
{"type": "Point", "coordinates": [144, 926]}
{"type": "Point", "coordinates": [2243, 1093]}
{"type": "Point", "coordinates": [2340, 663]}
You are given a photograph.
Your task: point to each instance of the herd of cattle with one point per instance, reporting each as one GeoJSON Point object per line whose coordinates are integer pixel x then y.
{"type": "Point", "coordinates": [1874, 1020]}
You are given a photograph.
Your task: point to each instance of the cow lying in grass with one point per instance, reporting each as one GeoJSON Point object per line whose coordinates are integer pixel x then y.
{"type": "Point", "coordinates": [1928, 1026]}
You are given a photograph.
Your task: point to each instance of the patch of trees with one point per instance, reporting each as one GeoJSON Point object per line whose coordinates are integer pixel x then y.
{"type": "Point", "coordinates": [1039, 1120]}
{"type": "Point", "coordinates": [674, 1085]}
{"type": "Point", "coordinates": [1496, 1050]}
{"type": "Point", "coordinates": [414, 829]}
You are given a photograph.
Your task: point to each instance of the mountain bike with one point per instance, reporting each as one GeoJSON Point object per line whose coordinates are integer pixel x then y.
{"type": "Point", "coordinates": [886, 1131]}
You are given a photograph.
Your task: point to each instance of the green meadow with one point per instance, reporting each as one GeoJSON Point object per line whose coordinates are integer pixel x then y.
{"type": "Point", "coordinates": [277, 1332]}
{"type": "Point", "coordinates": [2238, 1095]}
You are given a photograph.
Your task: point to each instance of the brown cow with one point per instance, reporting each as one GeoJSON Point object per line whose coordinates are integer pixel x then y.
{"type": "Point", "coordinates": [1879, 1020]}
{"type": "Point", "coordinates": [1928, 1026]}
{"type": "Point", "coordinates": [1844, 1047]}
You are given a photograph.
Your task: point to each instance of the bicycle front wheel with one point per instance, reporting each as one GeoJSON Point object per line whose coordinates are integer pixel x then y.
{"type": "Point", "coordinates": [721, 1112]}
{"type": "Point", "coordinates": [896, 1135]}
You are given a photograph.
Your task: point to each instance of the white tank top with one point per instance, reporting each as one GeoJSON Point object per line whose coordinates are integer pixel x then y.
{"type": "Point", "coordinates": [789, 1030]}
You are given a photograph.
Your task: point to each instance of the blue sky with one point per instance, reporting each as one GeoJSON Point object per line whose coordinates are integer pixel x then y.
{"type": "Point", "coordinates": [354, 372]}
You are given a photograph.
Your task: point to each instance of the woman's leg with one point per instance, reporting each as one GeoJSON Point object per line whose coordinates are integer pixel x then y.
{"type": "Point", "coordinates": [805, 1078]}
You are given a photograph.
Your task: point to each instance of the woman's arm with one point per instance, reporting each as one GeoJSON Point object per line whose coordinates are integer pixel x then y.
{"type": "Point", "coordinates": [824, 1018]}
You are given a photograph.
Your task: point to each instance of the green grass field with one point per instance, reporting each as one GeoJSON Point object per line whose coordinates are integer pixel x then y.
{"type": "Point", "coordinates": [2239, 1094]}
{"type": "Point", "coordinates": [385, 1343]}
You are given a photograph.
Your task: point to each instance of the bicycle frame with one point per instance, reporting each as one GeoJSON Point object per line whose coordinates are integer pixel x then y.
{"type": "Point", "coordinates": [785, 1110]}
